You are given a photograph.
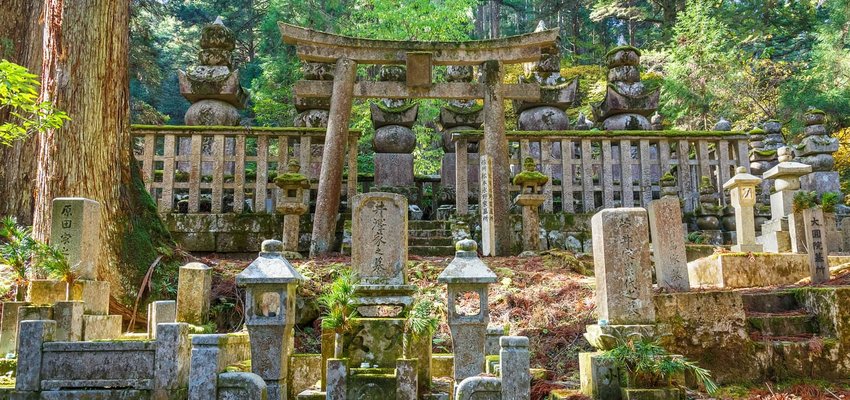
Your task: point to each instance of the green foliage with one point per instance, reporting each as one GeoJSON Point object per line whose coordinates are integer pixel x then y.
{"type": "Point", "coordinates": [828, 201]}
{"type": "Point", "coordinates": [804, 200]}
{"type": "Point", "coordinates": [422, 319]}
{"type": "Point", "coordinates": [339, 303]}
{"type": "Point", "coordinates": [441, 20]}
{"type": "Point", "coordinates": [651, 365]}
{"type": "Point", "coordinates": [19, 97]}
{"type": "Point", "coordinates": [696, 238]}
{"type": "Point", "coordinates": [17, 248]}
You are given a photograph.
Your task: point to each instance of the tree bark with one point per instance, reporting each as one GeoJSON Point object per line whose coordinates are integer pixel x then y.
{"type": "Point", "coordinates": [85, 73]}
{"type": "Point", "coordinates": [20, 43]}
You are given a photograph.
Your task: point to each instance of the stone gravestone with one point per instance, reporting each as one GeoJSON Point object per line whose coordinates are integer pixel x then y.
{"type": "Point", "coordinates": [668, 244]}
{"type": "Point", "coordinates": [194, 284]}
{"type": "Point", "coordinates": [622, 266]}
{"type": "Point", "coordinates": [817, 244]}
{"type": "Point", "coordinates": [75, 231]}
{"type": "Point", "coordinates": [379, 237]}
{"type": "Point", "coordinates": [488, 224]}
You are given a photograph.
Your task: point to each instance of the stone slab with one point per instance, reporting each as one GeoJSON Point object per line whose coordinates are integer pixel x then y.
{"type": "Point", "coordinates": [160, 312]}
{"type": "Point", "coordinates": [101, 327]}
{"type": "Point", "coordinates": [69, 321]}
{"type": "Point", "coordinates": [817, 244]}
{"type": "Point", "coordinates": [448, 168]}
{"type": "Point", "coordinates": [9, 326]}
{"type": "Point", "coordinates": [622, 266]}
{"type": "Point", "coordinates": [738, 270]}
{"type": "Point", "coordinates": [599, 377]}
{"type": "Point", "coordinates": [775, 242]}
{"type": "Point", "coordinates": [821, 182]}
{"type": "Point", "coordinates": [194, 284]}
{"type": "Point", "coordinates": [377, 341]}
{"type": "Point", "coordinates": [379, 238]}
{"type": "Point", "coordinates": [94, 294]}
{"type": "Point", "coordinates": [668, 243]}
{"type": "Point", "coordinates": [75, 231]}
{"type": "Point", "coordinates": [393, 169]}
{"type": "Point", "coordinates": [304, 373]}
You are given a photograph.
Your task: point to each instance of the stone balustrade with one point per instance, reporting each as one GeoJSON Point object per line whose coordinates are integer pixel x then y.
{"type": "Point", "coordinates": [618, 178]}
{"type": "Point", "coordinates": [204, 169]}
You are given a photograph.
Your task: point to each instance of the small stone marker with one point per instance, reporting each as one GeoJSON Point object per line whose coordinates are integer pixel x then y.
{"type": "Point", "coordinates": [668, 243]}
{"type": "Point", "coordinates": [379, 229]}
{"type": "Point", "coordinates": [9, 326]}
{"type": "Point", "coordinates": [488, 222]}
{"type": "Point", "coordinates": [622, 266]}
{"type": "Point", "coordinates": [160, 312]}
{"type": "Point", "coordinates": [742, 192]}
{"type": "Point", "coordinates": [194, 284]}
{"type": "Point", "coordinates": [817, 244]}
{"type": "Point", "coordinates": [75, 231]}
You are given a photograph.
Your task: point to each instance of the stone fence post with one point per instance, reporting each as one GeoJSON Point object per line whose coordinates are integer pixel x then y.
{"type": "Point", "coordinates": [32, 336]}
{"type": "Point", "coordinates": [171, 370]}
{"type": "Point", "coordinates": [514, 364]}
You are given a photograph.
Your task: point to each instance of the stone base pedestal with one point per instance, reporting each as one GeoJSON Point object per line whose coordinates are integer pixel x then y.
{"type": "Point", "coordinates": [393, 169]}
{"type": "Point", "coordinates": [94, 294]}
{"type": "Point", "coordinates": [736, 270]}
{"type": "Point", "coordinates": [9, 327]}
{"type": "Point", "coordinates": [714, 238]}
{"type": "Point", "coordinates": [291, 223]}
{"type": "Point", "coordinates": [69, 321]}
{"type": "Point", "coordinates": [448, 168]}
{"type": "Point", "coordinates": [821, 182]}
{"type": "Point", "coordinates": [775, 242]}
{"type": "Point", "coordinates": [599, 376]}
{"type": "Point", "coordinates": [101, 327]}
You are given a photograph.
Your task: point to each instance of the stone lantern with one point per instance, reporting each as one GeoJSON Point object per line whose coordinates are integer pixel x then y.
{"type": "Point", "coordinates": [742, 192]}
{"type": "Point", "coordinates": [467, 277]}
{"type": "Point", "coordinates": [292, 183]}
{"type": "Point", "coordinates": [530, 198]}
{"type": "Point", "coordinates": [270, 283]}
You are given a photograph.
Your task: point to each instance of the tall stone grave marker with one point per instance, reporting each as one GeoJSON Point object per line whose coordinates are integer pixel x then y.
{"type": "Point", "coordinates": [817, 244]}
{"type": "Point", "coordinates": [379, 237]}
{"type": "Point", "coordinates": [75, 231]}
{"type": "Point", "coordinates": [668, 243]}
{"type": "Point", "coordinates": [194, 283]}
{"type": "Point", "coordinates": [621, 264]}
{"type": "Point", "coordinates": [488, 223]}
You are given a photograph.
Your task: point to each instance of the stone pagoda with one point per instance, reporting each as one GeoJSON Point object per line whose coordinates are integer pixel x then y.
{"type": "Point", "coordinates": [816, 150]}
{"type": "Point", "coordinates": [556, 93]}
{"type": "Point", "coordinates": [213, 85]}
{"type": "Point", "coordinates": [628, 104]}
{"type": "Point", "coordinates": [394, 140]}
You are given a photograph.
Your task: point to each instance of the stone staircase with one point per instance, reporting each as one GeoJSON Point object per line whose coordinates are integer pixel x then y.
{"type": "Point", "coordinates": [430, 238]}
{"type": "Point", "coordinates": [778, 317]}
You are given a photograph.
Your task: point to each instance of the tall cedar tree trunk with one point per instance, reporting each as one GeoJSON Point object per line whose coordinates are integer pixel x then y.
{"type": "Point", "coordinates": [85, 73]}
{"type": "Point", "coordinates": [20, 43]}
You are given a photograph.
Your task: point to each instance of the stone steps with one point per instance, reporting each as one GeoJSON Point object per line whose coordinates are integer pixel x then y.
{"type": "Point", "coordinates": [430, 241]}
{"type": "Point", "coordinates": [428, 225]}
{"type": "Point", "coordinates": [778, 317]}
{"type": "Point", "coordinates": [770, 302]}
{"type": "Point", "coordinates": [428, 233]}
{"type": "Point", "coordinates": [433, 251]}
{"type": "Point", "coordinates": [782, 325]}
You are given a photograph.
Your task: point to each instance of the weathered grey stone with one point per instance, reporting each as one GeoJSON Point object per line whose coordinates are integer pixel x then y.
{"type": "Point", "coordinates": [69, 321]}
{"type": "Point", "coordinates": [821, 182]}
{"type": "Point", "coordinates": [599, 376]}
{"type": "Point", "coordinates": [160, 312]}
{"type": "Point", "coordinates": [394, 139]}
{"type": "Point", "coordinates": [818, 246]}
{"type": "Point", "coordinates": [742, 192]}
{"type": "Point", "coordinates": [75, 231]}
{"type": "Point", "coordinates": [312, 119]}
{"type": "Point", "coordinates": [480, 388]}
{"type": "Point", "coordinates": [337, 377]}
{"type": "Point", "coordinates": [514, 360]}
{"type": "Point", "coordinates": [34, 313]}
{"type": "Point", "coordinates": [210, 112]}
{"type": "Point", "coordinates": [545, 118]}
{"type": "Point", "coordinates": [211, 354]}
{"type": "Point", "coordinates": [379, 228]}
{"type": "Point", "coordinates": [32, 337]}
{"type": "Point", "coordinates": [93, 294]}
{"type": "Point", "coordinates": [9, 327]}
{"type": "Point", "coordinates": [194, 284]}
{"type": "Point", "coordinates": [45, 291]}
{"type": "Point", "coordinates": [492, 347]}
{"type": "Point", "coordinates": [530, 220]}
{"type": "Point", "coordinates": [626, 122]}
{"type": "Point", "coordinates": [173, 349]}
{"type": "Point", "coordinates": [305, 371]}
{"type": "Point", "coordinates": [394, 170]}
{"type": "Point", "coordinates": [737, 270]}
{"type": "Point", "coordinates": [406, 379]}
{"type": "Point", "coordinates": [668, 243]}
{"type": "Point", "coordinates": [622, 266]}
{"type": "Point", "coordinates": [241, 386]}
{"type": "Point", "coordinates": [99, 327]}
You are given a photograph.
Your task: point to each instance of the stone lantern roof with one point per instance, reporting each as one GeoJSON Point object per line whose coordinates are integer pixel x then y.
{"type": "Point", "coordinates": [466, 266]}
{"type": "Point", "coordinates": [741, 178]}
{"type": "Point", "coordinates": [269, 268]}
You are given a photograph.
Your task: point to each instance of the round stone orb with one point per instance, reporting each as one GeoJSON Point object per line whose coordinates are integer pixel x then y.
{"type": "Point", "coordinates": [394, 139]}
{"type": "Point", "coordinates": [543, 119]}
{"type": "Point", "coordinates": [212, 113]}
{"type": "Point", "coordinates": [626, 122]}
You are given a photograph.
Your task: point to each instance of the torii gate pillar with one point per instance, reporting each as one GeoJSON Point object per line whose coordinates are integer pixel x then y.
{"type": "Point", "coordinates": [496, 234]}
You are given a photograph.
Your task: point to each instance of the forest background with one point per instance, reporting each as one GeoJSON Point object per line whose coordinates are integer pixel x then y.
{"type": "Point", "coordinates": [746, 60]}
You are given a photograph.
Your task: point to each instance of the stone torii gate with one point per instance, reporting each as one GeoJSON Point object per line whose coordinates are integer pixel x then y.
{"type": "Point", "coordinates": [419, 57]}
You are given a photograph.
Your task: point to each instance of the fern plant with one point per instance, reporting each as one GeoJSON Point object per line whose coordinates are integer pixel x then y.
{"type": "Point", "coordinates": [17, 250]}
{"type": "Point", "coordinates": [804, 200]}
{"type": "Point", "coordinates": [339, 306]}
{"type": "Point", "coordinates": [648, 365]}
{"type": "Point", "coordinates": [828, 201]}
{"type": "Point", "coordinates": [57, 266]}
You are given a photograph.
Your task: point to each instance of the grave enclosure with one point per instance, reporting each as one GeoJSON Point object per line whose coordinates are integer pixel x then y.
{"type": "Point", "coordinates": [636, 189]}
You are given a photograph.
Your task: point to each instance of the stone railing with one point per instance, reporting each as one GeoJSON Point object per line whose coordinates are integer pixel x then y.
{"type": "Point", "coordinates": [211, 355]}
{"type": "Point", "coordinates": [204, 169]}
{"type": "Point", "coordinates": [155, 369]}
{"type": "Point", "coordinates": [617, 178]}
